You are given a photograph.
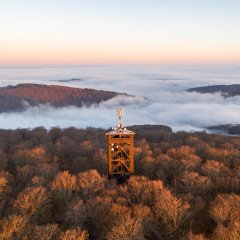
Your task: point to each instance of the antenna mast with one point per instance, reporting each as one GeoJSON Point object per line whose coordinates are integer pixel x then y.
{"type": "Point", "coordinates": [120, 115]}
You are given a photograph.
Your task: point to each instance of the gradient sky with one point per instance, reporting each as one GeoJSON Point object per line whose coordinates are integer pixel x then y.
{"type": "Point", "coordinates": [119, 31]}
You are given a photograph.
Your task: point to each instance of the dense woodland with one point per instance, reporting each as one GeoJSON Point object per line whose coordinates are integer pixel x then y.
{"type": "Point", "coordinates": [225, 90]}
{"type": "Point", "coordinates": [53, 185]}
{"type": "Point", "coordinates": [18, 98]}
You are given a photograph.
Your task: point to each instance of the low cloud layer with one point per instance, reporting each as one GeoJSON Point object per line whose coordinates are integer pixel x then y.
{"type": "Point", "coordinates": [160, 97]}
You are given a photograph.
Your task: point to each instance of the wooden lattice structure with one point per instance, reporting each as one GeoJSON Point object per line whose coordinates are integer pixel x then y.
{"type": "Point", "coordinates": [120, 150]}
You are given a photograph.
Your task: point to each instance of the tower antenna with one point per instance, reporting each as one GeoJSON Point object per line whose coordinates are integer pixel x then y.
{"type": "Point", "coordinates": [120, 115]}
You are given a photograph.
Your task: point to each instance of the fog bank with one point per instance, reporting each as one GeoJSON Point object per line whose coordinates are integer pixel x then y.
{"type": "Point", "coordinates": [160, 96]}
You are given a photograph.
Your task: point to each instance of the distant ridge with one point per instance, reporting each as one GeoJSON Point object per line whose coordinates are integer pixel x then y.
{"type": "Point", "coordinates": [17, 98]}
{"type": "Point", "coordinates": [225, 90]}
{"type": "Point", "coordinates": [232, 129]}
{"type": "Point", "coordinates": [69, 80]}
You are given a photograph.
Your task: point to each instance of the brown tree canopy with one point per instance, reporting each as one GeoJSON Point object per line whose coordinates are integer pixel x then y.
{"type": "Point", "coordinates": [54, 185]}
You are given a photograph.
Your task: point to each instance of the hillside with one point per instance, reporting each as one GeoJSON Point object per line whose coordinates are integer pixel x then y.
{"type": "Point", "coordinates": [53, 185]}
{"type": "Point", "coordinates": [225, 90]}
{"type": "Point", "coordinates": [232, 129]}
{"type": "Point", "coordinates": [17, 98]}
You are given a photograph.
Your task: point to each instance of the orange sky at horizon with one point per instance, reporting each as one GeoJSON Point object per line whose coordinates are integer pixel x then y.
{"type": "Point", "coordinates": [118, 55]}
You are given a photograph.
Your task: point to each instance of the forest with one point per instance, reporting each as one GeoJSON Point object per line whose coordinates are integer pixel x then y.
{"type": "Point", "coordinates": [225, 90]}
{"type": "Point", "coordinates": [18, 98]}
{"type": "Point", "coordinates": [54, 185]}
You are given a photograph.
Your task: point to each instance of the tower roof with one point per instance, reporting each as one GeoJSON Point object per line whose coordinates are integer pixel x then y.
{"type": "Point", "coordinates": [120, 130]}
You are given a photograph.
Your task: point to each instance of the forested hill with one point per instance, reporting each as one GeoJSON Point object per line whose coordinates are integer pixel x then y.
{"type": "Point", "coordinates": [225, 90]}
{"type": "Point", "coordinates": [16, 98]}
{"type": "Point", "coordinates": [53, 185]}
{"type": "Point", "coordinates": [232, 129]}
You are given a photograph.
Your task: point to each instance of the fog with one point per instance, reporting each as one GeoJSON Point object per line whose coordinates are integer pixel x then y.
{"type": "Point", "coordinates": [159, 96]}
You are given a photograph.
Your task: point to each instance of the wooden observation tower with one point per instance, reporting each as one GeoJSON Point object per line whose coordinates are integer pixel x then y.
{"type": "Point", "coordinates": [120, 150]}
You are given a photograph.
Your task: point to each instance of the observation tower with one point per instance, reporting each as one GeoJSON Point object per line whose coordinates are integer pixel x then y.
{"type": "Point", "coordinates": [120, 150]}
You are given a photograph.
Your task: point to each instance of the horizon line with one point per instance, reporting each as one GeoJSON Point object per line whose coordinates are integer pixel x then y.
{"type": "Point", "coordinates": [58, 65]}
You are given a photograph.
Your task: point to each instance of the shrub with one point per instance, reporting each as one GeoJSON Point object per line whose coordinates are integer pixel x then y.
{"type": "Point", "coordinates": [3, 160]}
{"type": "Point", "coordinates": [89, 183]}
{"type": "Point", "coordinates": [194, 183]}
{"type": "Point", "coordinates": [46, 232]}
{"type": "Point", "coordinates": [213, 168]}
{"type": "Point", "coordinates": [171, 213]}
{"type": "Point", "coordinates": [13, 227]}
{"type": "Point", "coordinates": [74, 234]}
{"type": "Point", "coordinates": [63, 186]}
{"type": "Point", "coordinates": [226, 233]}
{"type": "Point", "coordinates": [141, 190]}
{"type": "Point", "coordinates": [225, 209]}
{"type": "Point", "coordinates": [34, 202]}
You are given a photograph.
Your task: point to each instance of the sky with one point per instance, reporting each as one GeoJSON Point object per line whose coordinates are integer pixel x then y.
{"type": "Point", "coordinates": [126, 31]}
